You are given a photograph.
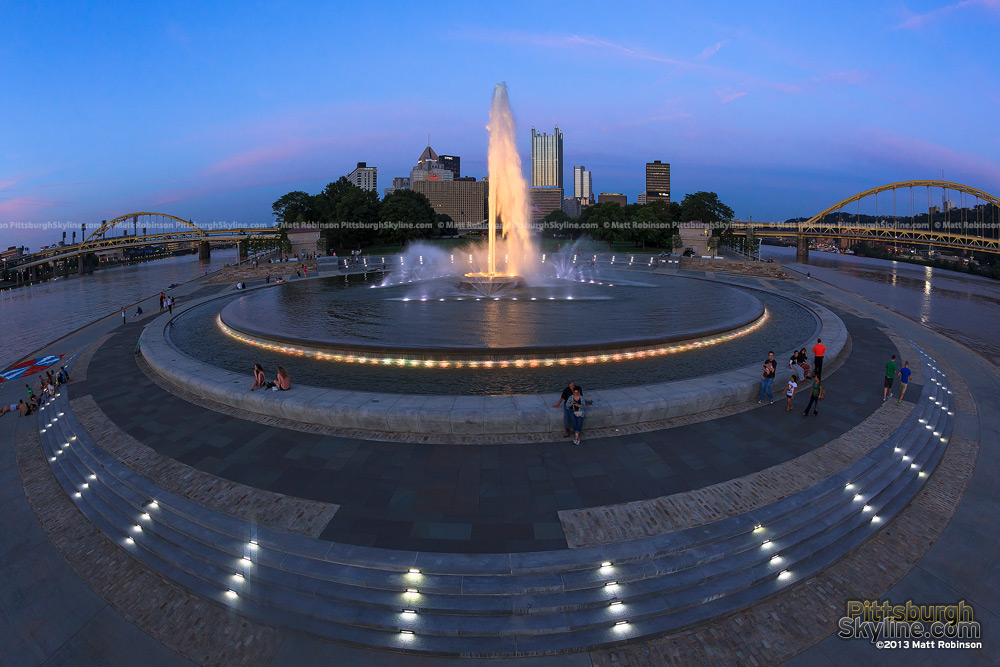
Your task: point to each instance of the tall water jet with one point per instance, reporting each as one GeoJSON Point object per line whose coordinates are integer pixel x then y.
{"type": "Point", "coordinates": [509, 207]}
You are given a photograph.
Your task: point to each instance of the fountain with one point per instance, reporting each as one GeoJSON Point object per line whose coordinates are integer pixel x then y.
{"type": "Point", "coordinates": [508, 205]}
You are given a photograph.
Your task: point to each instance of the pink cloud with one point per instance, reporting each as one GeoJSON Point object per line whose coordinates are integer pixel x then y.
{"type": "Point", "coordinates": [256, 157]}
{"type": "Point", "coordinates": [916, 158]}
{"type": "Point", "coordinates": [920, 20]}
{"type": "Point", "coordinates": [727, 96]}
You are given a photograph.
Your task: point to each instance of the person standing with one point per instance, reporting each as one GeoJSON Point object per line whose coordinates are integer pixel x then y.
{"type": "Point", "coordinates": [162, 299]}
{"type": "Point", "coordinates": [574, 406]}
{"type": "Point", "coordinates": [790, 393]}
{"type": "Point", "coordinates": [890, 375]}
{"type": "Point", "coordinates": [123, 315]}
{"type": "Point", "coordinates": [814, 396]}
{"type": "Point", "coordinates": [770, 365]}
{"type": "Point", "coordinates": [567, 394]}
{"type": "Point", "coordinates": [904, 381]}
{"type": "Point", "coordinates": [818, 351]}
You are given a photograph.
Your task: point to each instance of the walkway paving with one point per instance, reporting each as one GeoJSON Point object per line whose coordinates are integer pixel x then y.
{"type": "Point", "coordinates": [51, 615]}
{"type": "Point", "coordinates": [472, 498]}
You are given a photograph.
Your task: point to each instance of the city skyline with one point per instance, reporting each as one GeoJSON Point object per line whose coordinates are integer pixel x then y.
{"type": "Point", "coordinates": [781, 117]}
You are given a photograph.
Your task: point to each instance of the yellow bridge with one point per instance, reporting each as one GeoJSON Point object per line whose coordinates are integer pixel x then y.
{"type": "Point", "coordinates": [158, 229]}
{"type": "Point", "coordinates": [975, 226]}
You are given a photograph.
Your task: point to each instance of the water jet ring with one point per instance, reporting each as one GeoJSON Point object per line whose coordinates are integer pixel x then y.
{"type": "Point", "coordinates": [525, 357]}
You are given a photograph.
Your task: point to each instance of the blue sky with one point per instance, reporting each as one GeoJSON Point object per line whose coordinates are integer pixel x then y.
{"type": "Point", "coordinates": [210, 111]}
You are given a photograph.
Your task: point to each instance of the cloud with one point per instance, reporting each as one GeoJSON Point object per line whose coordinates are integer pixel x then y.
{"type": "Point", "coordinates": [920, 20]}
{"type": "Point", "coordinates": [64, 185]}
{"type": "Point", "coordinates": [727, 96]}
{"type": "Point", "coordinates": [916, 158]}
{"type": "Point", "coordinates": [710, 51]}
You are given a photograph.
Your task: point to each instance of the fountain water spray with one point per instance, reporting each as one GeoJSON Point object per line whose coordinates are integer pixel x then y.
{"type": "Point", "coordinates": [508, 204]}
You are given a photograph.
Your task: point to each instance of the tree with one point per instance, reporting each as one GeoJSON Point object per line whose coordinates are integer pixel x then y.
{"type": "Point", "coordinates": [705, 207]}
{"type": "Point", "coordinates": [445, 225]}
{"type": "Point", "coordinates": [295, 207]}
{"type": "Point", "coordinates": [409, 215]}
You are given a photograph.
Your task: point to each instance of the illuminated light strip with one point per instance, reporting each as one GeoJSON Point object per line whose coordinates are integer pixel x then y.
{"type": "Point", "coordinates": [497, 363]}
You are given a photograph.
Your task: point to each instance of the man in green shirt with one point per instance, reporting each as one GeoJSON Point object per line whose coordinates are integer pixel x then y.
{"type": "Point", "coordinates": [890, 375]}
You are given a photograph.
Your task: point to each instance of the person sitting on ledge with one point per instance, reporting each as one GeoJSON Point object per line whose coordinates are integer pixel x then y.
{"type": "Point", "coordinates": [282, 380]}
{"type": "Point", "coordinates": [259, 381]}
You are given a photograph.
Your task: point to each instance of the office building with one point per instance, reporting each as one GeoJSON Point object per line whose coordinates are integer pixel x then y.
{"type": "Point", "coordinates": [364, 177]}
{"type": "Point", "coordinates": [544, 200]}
{"type": "Point", "coordinates": [429, 168]}
{"type": "Point", "coordinates": [657, 181]}
{"type": "Point", "coordinates": [641, 198]}
{"type": "Point", "coordinates": [613, 197]}
{"type": "Point", "coordinates": [464, 200]}
{"type": "Point", "coordinates": [452, 163]}
{"type": "Point", "coordinates": [571, 207]}
{"type": "Point", "coordinates": [398, 183]}
{"type": "Point", "coordinates": [547, 159]}
{"type": "Point", "coordinates": [582, 185]}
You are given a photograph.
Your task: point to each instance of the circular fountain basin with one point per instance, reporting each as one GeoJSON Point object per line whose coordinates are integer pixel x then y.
{"type": "Point", "coordinates": [432, 324]}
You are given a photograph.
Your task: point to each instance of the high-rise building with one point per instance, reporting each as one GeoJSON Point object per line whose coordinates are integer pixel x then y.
{"type": "Point", "coordinates": [429, 168]}
{"type": "Point", "coordinates": [364, 177]}
{"type": "Point", "coordinates": [464, 200]}
{"type": "Point", "coordinates": [452, 163]}
{"type": "Point", "coordinates": [571, 207]}
{"type": "Point", "coordinates": [547, 159]}
{"type": "Point", "coordinates": [544, 200]}
{"type": "Point", "coordinates": [398, 183]}
{"type": "Point", "coordinates": [582, 185]}
{"type": "Point", "coordinates": [641, 198]}
{"type": "Point", "coordinates": [613, 197]}
{"type": "Point", "coordinates": [657, 181]}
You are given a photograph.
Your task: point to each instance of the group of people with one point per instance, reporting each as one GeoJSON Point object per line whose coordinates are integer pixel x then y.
{"type": "Point", "coordinates": [48, 384]}
{"type": "Point", "coordinates": [573, 405]}
{"type": "Point", "coordinates": [282, 380]}
{"type": "Point", "coordinates": [166, 302]}
{"type": "Point", "coordinates": [801, 371]}
{"type": "Point", "coordinates": [891, 373]}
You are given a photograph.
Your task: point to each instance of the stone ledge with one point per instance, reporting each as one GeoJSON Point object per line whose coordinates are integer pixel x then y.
{"type": "Point", "coordinates": [441, 419]}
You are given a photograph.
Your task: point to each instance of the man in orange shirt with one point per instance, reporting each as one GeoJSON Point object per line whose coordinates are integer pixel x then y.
{"type": "Point", "coordinates": [818, 351]}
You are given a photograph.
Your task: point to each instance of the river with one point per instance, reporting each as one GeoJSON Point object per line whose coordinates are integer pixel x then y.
{"type": "Point", "coordinates": [35, 315]}
{"type": "Point", "coordinates": [959, 305]}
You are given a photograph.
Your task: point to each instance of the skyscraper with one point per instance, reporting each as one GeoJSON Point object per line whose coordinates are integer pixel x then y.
{"type": "Point", "coordinates": [364, 177]}
{"type": "Point", "coordinates": [453, 163]}
{"type": "Point", "coordinates": [657, 181]}
{"type": "Point", "coordinates": [547, 159]}
{"type": "Point", "coordinates": [582, 186]}
{"type": "Point", "coordinates": [429, 168]}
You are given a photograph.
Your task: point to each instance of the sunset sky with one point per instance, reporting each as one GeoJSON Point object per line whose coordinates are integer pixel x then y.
{"type": "Point", "coordinates": [210, 111]}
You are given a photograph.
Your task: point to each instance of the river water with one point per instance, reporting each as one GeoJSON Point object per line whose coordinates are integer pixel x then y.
{"type": "Point", "coordinates": [964, 307]}
{"type": "Point", "coordinates": [32, 316]}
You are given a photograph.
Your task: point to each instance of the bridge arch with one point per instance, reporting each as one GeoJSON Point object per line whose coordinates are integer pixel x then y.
{"type": "Point", "coordinates": [130, 217]}
{"type": "Point", "coordinates": [945, 185]}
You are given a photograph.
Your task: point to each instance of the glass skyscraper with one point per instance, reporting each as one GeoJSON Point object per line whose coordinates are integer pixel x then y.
{"type": "Point", "coordinates": [582, 186]}
{"type": "Point", "coordinates": [547, 159]}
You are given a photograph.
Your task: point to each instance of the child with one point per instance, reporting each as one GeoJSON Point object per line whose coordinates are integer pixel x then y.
{"type": "Point", "coordinates": [790, 393]}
